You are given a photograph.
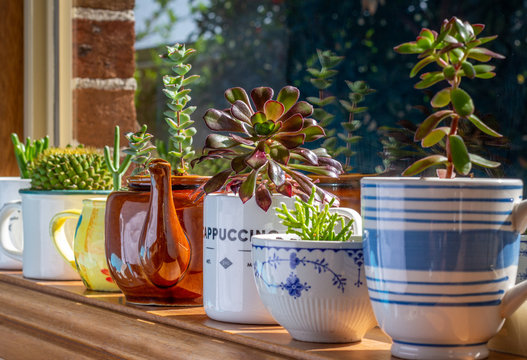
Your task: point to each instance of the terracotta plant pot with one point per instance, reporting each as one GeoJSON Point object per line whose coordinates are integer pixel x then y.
{"type": "Point", "coordinates": [143, 268]}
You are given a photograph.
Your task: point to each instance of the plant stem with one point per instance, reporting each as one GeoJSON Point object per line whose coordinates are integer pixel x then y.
{"type": "Point", "coordinates": [348, 145]}
{"type": "Point", "coordinates": [453, 131]}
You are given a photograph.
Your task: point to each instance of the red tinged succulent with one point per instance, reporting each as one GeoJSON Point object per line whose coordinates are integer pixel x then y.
{"type": "Point", "coordinates": [263, 142]}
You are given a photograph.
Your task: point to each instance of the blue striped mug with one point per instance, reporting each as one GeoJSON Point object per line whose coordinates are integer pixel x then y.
{"type": "Point", "coordinates": [441, 257]}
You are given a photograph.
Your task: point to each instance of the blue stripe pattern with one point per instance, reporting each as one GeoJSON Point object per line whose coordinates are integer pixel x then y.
{"type": "Point", "coordinates": [437, 345]}
{"type": "Point", "coordinates": [460, 186]}
{"type": "Point", "coordinates": [429, 199]}
{"type": "Point", "coordinates": [437, 221]}
{"type": "Point", "coordinates": [449, 283]}
{"type": "Point", "coordinates": [419, 303]}
{"type": "Point", "coordinates": [488, 293]}
{"type": "Point", "coordinates": [441, 250]}
{"type": "Point", "coordinates": [425, 211]}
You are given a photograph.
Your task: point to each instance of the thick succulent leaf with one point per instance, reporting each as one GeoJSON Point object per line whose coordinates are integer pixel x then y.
{"type": "Point", "coordinates": [293, 124]}
{"type": "Point", "coordinates": [321, 84]}
{"type": "Point", "coordinates": [482, 126]}
{"type": "Point", "coordinates": [288, 96]}
{"type": "Point", "coordinates": [241, 111]}
{"type": "Point", "coordinates": [429, 79]}
{"type": "Point", "coordinates": [435, 136]}
{"type": "Point", "coordinates": [217, 141]}
{"type": "Point", "coordinates": [273, 110]}
{"type": "Point", "coordinates": [430, 123]}
{"type": "Point", "coordinates": [307, 155]}
{"type": "Point", "coordinates": [482, 68]}
{"type": "Point", "coordinates": [312, 133]}
{"type": "Point", "coordinates": [463, 30]}
{"type": "Point", "coordinates": [265, 128]}
{"type": "Point", "coordinates": [460, 156]}
{"type": "Point", "coordinates": [462, 102]}
{"type": "Point", "coordinates": [323, 116]}
{"type": "Point", "coordinates": [480, 161]}
{"type": "Point", "coordinates": [321, 153]}
{"type": "Point", "coordinates": [260, 96]}
{"type": "Point", "coordinates": [263, 197]}
{"type": "Point", "coordinates": [221, 121]}
{"type": "Point", "coordinates": [238, 164]}
{"type": "Point", "coordinates": [242, 140]}
{"type": "Point", "coordinates": [477, 28]}
{"type": "Point", "coordinates": [488, 75]}
{"type": "Point", "coordinates": [348, 139]}
{"type": "Point", "coordinates": [290, 141]}
{"type": "Point", "coordinates": [424, 42]}
{"type": "Point", "coordinates": [257, 159]}
{"type": "Point", "coordinates": [303, 108]}
{"type": "Point", "coordinates": [468, 69]}
{"type": "Point", "coordinates": [275, 173]}
{"type": "Point", "coordinates": [483, 55]}
{"type": "Point", "coordinates": [487, 39]}
{"type": "Point", "coordinates": [321, 102]}
{"type": "Point", "coordinates": [319, 170]}
{"type": "Point", "coordinates": [441, 98]}
{"type": "Point", "coordinates": [331, 162]}
{"type": "Point", "coordinates": [423, 164]}
{"type": "Point", "coordinates": [421, 64]}
{"type": "Point", "coordinates": [258, 117]}
{"type": "Point", "coordinates": [280, 154]}
{"type": "Point", "coordinates": [427, 33]}
{"type": "Point", "coordinates": [237, 93]}
{"type": "Point", "coordinates": [286, 189]}
{"type": "Point", "coordinates": [408, 48]}
{"type": "Point", "coordinates": [216, 182]}
{"type": "Point", "coordinates": [248, 186]}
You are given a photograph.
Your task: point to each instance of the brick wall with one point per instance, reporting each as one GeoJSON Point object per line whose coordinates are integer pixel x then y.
{"type": "Point", "coordinates": [103, 69]}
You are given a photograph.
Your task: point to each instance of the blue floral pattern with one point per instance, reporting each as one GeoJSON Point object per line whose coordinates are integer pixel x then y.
{"type": "Point", "coordinates": [294, 285]}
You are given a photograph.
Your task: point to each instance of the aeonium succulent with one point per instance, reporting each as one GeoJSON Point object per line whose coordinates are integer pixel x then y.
{"type": "Point", "coordinates": [455, 50]}
{"type": "Point", "coordinates": [264, 146]}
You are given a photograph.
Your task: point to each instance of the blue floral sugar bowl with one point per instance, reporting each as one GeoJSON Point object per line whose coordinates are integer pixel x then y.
{"type": "Point", "coordinates": [315, 289]}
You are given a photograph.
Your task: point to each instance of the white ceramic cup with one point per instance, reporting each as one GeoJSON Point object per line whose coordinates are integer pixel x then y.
{"type": "Point", "coordinates": [40, 258]}
{"type": "Point", "coordinates": [229, 289]}
{"type": "Point", "coordinates": [9, 187]}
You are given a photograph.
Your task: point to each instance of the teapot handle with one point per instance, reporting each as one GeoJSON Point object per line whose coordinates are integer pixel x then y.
{"type": "Point", "coordinates": [58, 235]}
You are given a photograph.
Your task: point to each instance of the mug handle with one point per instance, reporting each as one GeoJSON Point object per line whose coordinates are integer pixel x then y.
{"type": "Point", "coordinates": [350, 214]}
{"type": "Point", "coordinates": [58, 235]}
{"type": "Point", "coordinates": [7, 244]}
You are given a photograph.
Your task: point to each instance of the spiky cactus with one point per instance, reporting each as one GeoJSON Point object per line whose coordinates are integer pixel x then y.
{"type": "Point", "coordinates": [70, 169]}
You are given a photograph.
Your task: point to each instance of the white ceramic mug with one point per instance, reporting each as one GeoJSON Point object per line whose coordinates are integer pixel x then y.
{"type": "Point", "coordinates": [9, 187]}
{"type": "Point", "coordinates": [40, 258]}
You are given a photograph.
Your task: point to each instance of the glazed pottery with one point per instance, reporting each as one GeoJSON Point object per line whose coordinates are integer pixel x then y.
{"type": "Point", "coordinates": [441, 259]}
{"type": "Point", "coordinates": [9, 187]}
{"type": "Point", "coordinates": [87, 255]}
{"type": "Point", "coordinates": [511, 338]}
{"type": "Point", "coordinates": [154, 239]}
{"type": "Point", "coordinates": [229, 290]}
{"type": "Point", "coordinates": [40, 258]}
{"type": "Point", "coordinates": [315, 289]}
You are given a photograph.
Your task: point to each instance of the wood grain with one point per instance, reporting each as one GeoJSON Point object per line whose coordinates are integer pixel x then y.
{"type": "Point", "coordinates": [11, 81]}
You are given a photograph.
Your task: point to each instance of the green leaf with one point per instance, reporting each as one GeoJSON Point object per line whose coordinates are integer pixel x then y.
{"type": "Point", "coordinates": [248, 186]}
{"type": "Point", "coordinates": [421, 64]}
{"type": "Point", "coordinates": [241, 111]}
{"type": "Point", "coordinates": [221, 121]}
{"type": "Point", "coordinates": [460, 157]}
{"type": "Point", "coordinates": [236, 93]}
{"type": "Point", "coordinates": [441, 98]}
{"type": "Point", "coordinates": [313, 71]}
{"type": "Point", "coordinates": [430, 123]}
{"type": "Point", "coordinates": [313, 132]}
{"type": "Point", "coordinates": [346, 105]}
{"type": "Point", "coordinates": [302, 107]}
{"type": "Point", "coordinates": [275, 173]}
{"type": "Point", "coordinates": [481, 68]}
{"type": "Point", "coordinates": [288, 96]}
{"type": "Point", "coordinates": [350, 127]}
{"type": "Point", "coordinates": [290, 141]}
{"type": "Point", "coordinates": [427, 33]}
{"type": "Point", "coordinates": [260, 96]}
{"type": "Point", "coordinates": [190, 80]}
{"type": "Point", "coordinates": [257, 159]}
{"type": "Point", "coordinates": [488, 75]}
{"type": "Point", "coordinates": [349, 140]}
{"type": "Point", "coordinates": [258, 117]}
{"type": "Point", "coordinates": [424, 42]}
{"type": "Point", "coordinates": [487, 39]}
{"type": "Point", "coordinates": [408, 48]}
{"type": "Point", "coordinates": [477, 28]}
{"type": "Point", "coordinates": [322, 115]}
{"type": "Point", "coordinates": [468, 69]}
{"type": "Point", "coordinates": [462, 102]}
{"type": "Point", "coordinates": [423, 164]}
{"type": "Point", "coordinates": [435, 136]}
{"type": "Point", "coordinates": [321, 102]}
{"type": "Point", "coordinates": [293, 124]}
{"type": "Point", "coordinates": [483, 55]}
{"type": "Point", "coordinates": [463, 31]}
{"type": "Point", "coordinates": [449, 72]}
{"type": "Point", "coordinates": [478, 160]}
{"type": "Point", "coordinates": [320, 84]}
{"type": "Point", "coordinates": [280, 154]}
{"type": "Point", "coordinates": [264, 128]}
{"type": "Point", "coordinates": [216, 182]}
{"type": "Point", "coordinates": [273, 110]}
{"type": "Point", "coordinates": [482, 126]}
{"type": "Point", "coordinates": [217, 141]}
{"type": "Point", "coordinates": [429, 79]}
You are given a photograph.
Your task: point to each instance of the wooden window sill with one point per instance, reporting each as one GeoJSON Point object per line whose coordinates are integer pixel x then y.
{"type": "Point", "coordinates": [60, 319]}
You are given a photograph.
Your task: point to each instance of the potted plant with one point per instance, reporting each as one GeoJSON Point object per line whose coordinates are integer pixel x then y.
{"type": "Point", "coordinates": [61, 178]}
{"type": "Point", "coordinates": [9, 186]}
{"type": "Point", "coordinates": [264, 146]}
{"type": "Point", "coordinates": [347, 186]}
{"type": "Point", "coordinates": [311, 279]}
{"type": "Point", "coordinates": [441, 254]}
{"type": "Point", "coordinates": [130, 213]}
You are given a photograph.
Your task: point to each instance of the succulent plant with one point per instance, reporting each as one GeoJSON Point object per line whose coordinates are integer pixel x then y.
{"type": "Point", "coordinates": [70, 169]}
{"type": "Point", "coordinates": [311, 221]}
{"type": "Point", "coordinates": [140, 149]}
{"type": "Point", "coordinates": [179, 151]}
{"type": "Point", "coordinates": [455, 49]}
{"type": "Point", "coordinates": [263, 145]}
{"type": "Point", "coordinates": [26, 153]}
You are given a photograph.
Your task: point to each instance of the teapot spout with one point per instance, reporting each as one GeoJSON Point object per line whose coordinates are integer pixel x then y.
{"type": "Point", "coordinates": [513, 299]}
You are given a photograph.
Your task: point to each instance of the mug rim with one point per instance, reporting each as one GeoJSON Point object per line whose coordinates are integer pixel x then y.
{"type": "Point", "coordinates": [262, 239]}
{"type": "Point", "coordinates": [461, 181]}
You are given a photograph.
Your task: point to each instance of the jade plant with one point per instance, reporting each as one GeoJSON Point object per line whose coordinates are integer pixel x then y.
{"type": "Point", "coordinates": [179, 149]}
{"type": "Point", "coordinates": [457, 52]}
{"type": "Point", "coordinates": [264, 146]}
{"type": "Point", "coordinates": [322, 79]}
{"type": "Point", "coordinates": [311, 221]}
{"type": "Point", "coordinates": [26, 154]}
{"type": "Point", "coordinates": [138, 152]}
